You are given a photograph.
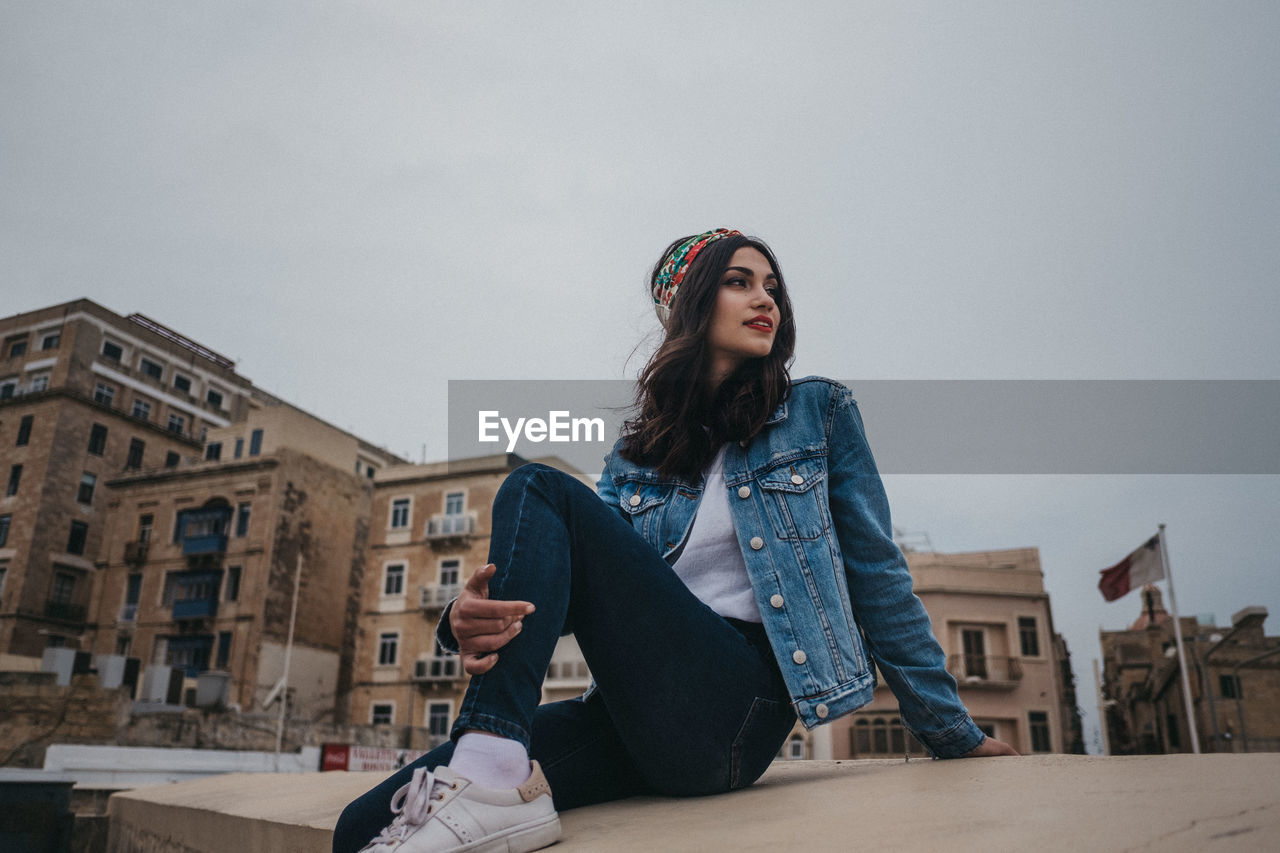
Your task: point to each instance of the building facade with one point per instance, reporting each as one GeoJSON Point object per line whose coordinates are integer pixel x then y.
{"type": "Point", "coordinates": [429, 533]}
{"type": "Point", "coordinates": [1233, 672]}
{"type": "Point", "coordinates": [84, 395]}
{"type": "Point", "coordinates": [992, 616]}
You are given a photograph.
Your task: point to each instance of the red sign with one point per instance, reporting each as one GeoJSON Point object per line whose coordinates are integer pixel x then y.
{"type": "Point", "coordinates": [341, 756]}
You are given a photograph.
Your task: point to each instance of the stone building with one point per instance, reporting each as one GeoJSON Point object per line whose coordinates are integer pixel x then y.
{"type": "Point", "coordinates": [85, 394]}
{"type": "Point", "coordinates": [199, 560]}
{"type": "Point", "coordinates": [991, 615]}
{"type": "Point", "coordinates": [1234, 674]}
{"type": "Point", "coordinates": [429, 533]}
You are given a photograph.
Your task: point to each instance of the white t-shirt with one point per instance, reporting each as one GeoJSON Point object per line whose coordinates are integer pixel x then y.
{"type": "Point", "coordinates": [711, 563]}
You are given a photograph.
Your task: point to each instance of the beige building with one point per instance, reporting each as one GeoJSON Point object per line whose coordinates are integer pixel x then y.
{"type": "Point", "coordinates": [429, 533]}
{"type": "Point", "coordinates": [199, 560]}
{"type": "Point", "coordinates": [991, 615]}
{"type": "Point", "coordinates": [1234, 675]}
{"type": "Point", "coordinates": [84, 395]}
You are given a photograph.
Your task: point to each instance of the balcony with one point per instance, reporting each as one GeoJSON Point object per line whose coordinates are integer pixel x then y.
{"type": "Point", "coordinates": [128, 613]}
{"type": "Point", "coordinates": [209, 543]}
{"type": "Point", "coordinates": [64, 611]}
{"type": "Point", "coordinates": [195, 608]}
{"type": "Point", "coordinates": [135, 553]}
{"type": "Point", "coordinates": [436, 596]}
{"type": "Point", "coordinates": [447, 529]}
{"type": "Point", "coordinates": [985, 671]}
{"type": "Point", "coordinates": [437, 669]}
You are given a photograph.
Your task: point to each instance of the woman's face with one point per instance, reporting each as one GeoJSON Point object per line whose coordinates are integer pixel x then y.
{"type": "Point", "coordinates": [745, 319]}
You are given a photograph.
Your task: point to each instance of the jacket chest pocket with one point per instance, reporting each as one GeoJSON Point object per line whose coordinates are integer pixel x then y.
{"type": "Point", "coordinates": [795, 498]}
{"type": "Point", "coordinates": [645, 505]}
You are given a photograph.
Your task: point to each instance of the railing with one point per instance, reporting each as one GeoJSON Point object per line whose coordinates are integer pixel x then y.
{"type": "Point", "coordinates": [135, 553]}
{"type": "Point", "coordinates": [129, 613]}
{"type": "Point", "coordinates": [985, 671]}
{"type": "Point", "coordinates": [448, 526]}
{"type": "Point", "coordinates": [436, 596]}
{"type": "Point", "coordinates": [213, 543]}
{"type": "Point", "coordinates": [195, 608]}
{"type": "Point", "coordinates": [64, 611]}
{"type": "Point", "coordinates": [437, 669]}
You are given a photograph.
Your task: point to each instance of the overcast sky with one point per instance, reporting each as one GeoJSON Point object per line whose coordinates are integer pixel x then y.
{"type": "Point", "coordinates": [360, 201]}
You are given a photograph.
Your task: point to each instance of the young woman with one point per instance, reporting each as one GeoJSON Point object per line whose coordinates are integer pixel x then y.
{"type": "Point", "coordinates": [736, 569]}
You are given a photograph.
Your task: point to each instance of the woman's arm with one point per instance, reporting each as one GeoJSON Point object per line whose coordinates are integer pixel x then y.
{"type": "Point", "coordinates": [894, 622]}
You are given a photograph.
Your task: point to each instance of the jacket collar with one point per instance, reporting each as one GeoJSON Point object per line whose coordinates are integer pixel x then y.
{"type": "Point", "coordinates": [779, 414]}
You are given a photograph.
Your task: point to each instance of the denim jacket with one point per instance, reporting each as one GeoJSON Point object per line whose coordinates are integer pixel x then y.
{"type": "Point", "coordinates": [833, 589]}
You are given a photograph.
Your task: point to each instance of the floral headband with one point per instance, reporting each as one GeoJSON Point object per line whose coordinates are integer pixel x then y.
{"type": "Point", "coordinates": [673, 269]}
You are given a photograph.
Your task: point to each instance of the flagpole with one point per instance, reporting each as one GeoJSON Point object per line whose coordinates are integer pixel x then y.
{"type": "Point", "coordinates": [1182, 655]}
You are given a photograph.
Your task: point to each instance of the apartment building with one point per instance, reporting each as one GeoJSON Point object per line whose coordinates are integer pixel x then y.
{"type": "Point", "coordinates": [84, 395]}
{"type": "Point", "coordinates": [429, 533]}
{"type": "Point", "coordinates": [991, 615]}
{"type": "Point", "coordinates": [1233, 671]}
{"type": "Point", "coordinates": [200, 561]}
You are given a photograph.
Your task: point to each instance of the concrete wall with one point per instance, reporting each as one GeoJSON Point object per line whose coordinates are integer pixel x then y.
{"type": "Point", "coordinates": [36, 712]}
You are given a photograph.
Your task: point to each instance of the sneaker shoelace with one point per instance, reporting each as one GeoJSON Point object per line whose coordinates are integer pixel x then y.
{"type": "Point", "coordinates": [411, 806]}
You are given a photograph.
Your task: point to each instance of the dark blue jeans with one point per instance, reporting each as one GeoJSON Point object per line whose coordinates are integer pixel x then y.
{"type": "Point", "coordinates": [686, 701]}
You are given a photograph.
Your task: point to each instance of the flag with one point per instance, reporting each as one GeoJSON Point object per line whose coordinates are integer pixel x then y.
{"type": "Point", "coordinates": [1142, 567]}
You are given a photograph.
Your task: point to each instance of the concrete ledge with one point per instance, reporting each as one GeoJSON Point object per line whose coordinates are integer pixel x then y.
{"type": "Point", "coordinates": [1176, 802]}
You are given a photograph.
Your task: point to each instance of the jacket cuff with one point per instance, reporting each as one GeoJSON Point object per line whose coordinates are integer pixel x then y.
{"type": "Point", "coordinates": [444, 633]}
{"type": "Point", "coordinates": [959, 740]}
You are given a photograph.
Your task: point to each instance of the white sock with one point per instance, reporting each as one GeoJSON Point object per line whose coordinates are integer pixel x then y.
{"type": "Point", "coordinates": [490, 761]}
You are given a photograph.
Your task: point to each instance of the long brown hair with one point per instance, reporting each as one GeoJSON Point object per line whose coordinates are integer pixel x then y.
{"type": "Point", "coordinates": [680, 420]}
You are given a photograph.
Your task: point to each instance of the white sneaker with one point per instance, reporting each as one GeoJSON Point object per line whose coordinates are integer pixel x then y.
{"type": "Point", "coordinates": [442, 812]}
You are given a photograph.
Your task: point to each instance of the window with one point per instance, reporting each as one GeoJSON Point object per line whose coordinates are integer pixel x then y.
{"type": "Point", "coordinates": [104, 394]}
{"type": "Point", "coordinates": [1039, 726]}
{"type": "Point", "coordinates": [24, 429]}
{"type": "Point", "coordinates": [177, 423]}
{"type": "Point", "coordinates": [399, 513]}
{"type": "Point", "coordinates": [8, 388]}
{"type": "Point", "coordinates": [795, 748]}
{"type": "Point", "coordinates": [214, 398]}
{"type": "Point", "coordinates": [1171, 728]}
{"type": "Point", "coordinates": [388, 648]}
{"type": "Point", "coordinates": [136, 447]}
{"type": "Point", "coordinates": [150, 368]}
{"type": "Point", "coordinates": [64, 588]}
{"type": "Point", "coordinates": [1229, 687]}
{"type": "Point", "coordinates": [171, 459]}
{"type": "Point", "coordinates": [393, 579]}
{"type": "Point", "coordinates": [975, 655]}
{"type": "Point", "coordinates": [382, 713]}
{"type": "Point", "coordinates": [51, 340]}
{"type": "Point", "coordinates": [112, 351]}
{"type": "Point", "coordinates": [142, 410]}
{"type": "Point", "coordinates": [449, 571]}
{"type": "Point", "coordinates": [242, 519]}
{"type": "Point", "coordinates": [18, 348]}
{"type": "Point", "coordinates": [438, 714]}
{"type": "Point", "coordinates": [5, 521]}
{"type": "Point", "coordinates": [15, 477]}
{"type": "Point", "coordinates": [239, 448]}
{"type": "Point", "coordinates": [88, 482]}
{"type": "Point", "coordinates": [453, 503]}
{"type": "Point", "coordinates": [132, 592]}
{"type": "Point", "coordinates": [124, 644]}
{"type": "Point", "coordinates": [213, 451]}
{"type": "Point", "coordinates": [97, 439]}
{"type": "Point", "coordinates": [231, 591]}
{"type": "Point", "coordinates": [224, 649]}
{"type": "Point", "coordinates": [1029, 636]}
{"type": "Point", "coordinates": [882, 736]}
{"type": "Point", "coordinates": [255, 442]}
{"type": "Point", "coordinates": [75, 540]}
{"type": "Point", "coordinates": [190, 653]}
{"type": "Point", "coordinates": [182, 383]}
{"type": "Point", "coordinates": [39, 382]}
{"type": "Point", "coordinates": [145, 523]}
{"type": "Point", "coordinates": [4, 571]}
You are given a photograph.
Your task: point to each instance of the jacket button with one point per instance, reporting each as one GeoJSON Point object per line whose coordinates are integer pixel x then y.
{"type": "Point", "coordinates": [797, 479]}
{"type": "Point", "coordinates": [743, 443]}
{"type": "Point", "coordinates": [756, 543]}
{"type": "Point", "coordinates": [799, 656]}
{"type": "Point", "coordinates": [776, 600]}
{"type": "Point", "coordinates": [822, 710]}
{"type": "Point", "coordinates": [635, 500]}
{"type": "Point", "coordinates": [744, 491]}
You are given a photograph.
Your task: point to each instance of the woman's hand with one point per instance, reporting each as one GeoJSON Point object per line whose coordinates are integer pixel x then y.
{"type": "Point", "coordinates": [990, 747]}
{"type": "Point", "coordinates": [482, 625]}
